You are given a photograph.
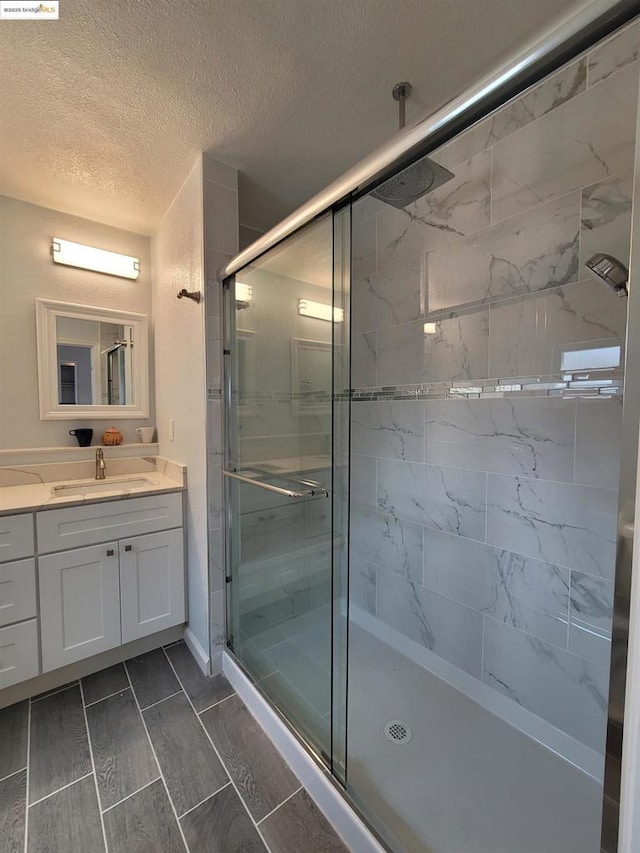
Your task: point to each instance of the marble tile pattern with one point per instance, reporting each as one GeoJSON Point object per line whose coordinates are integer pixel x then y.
{"type": "Point", "coordinates": [388, 297]}
{"type": "Point", "coordinates": [484, 529]}
{"type": "Point", "coordinates": [564, 689]}
{"type": "Point", "coordinates": [362, 584]}
{"type": "Point", "coordinates": [436, 622]}
{"type": "Point", "coordinates": [520, 591]}
{"type": "Point", "coordinates": [394, 430]}
{"type": "Point", "coordinates": [568, 148]}
{"type": "Point", "coordinates": [534, 437]}
{"type": "Point", "coordinates": [457, 348]}
{"type": "Point", "coordinates": [536, 250]}
{"type": "Point", "coordinates": [440, 498]}
{"type": "Point", "coordinates": [458, 207]}
{"type": "Point", "coordinates": [605, 211]}
{"type": "Point", "coordinates": [363, 360]}
{"type": "Point", "coordinates": [387, 541]}
{"type": "Point", "coordinates": [551, 93]}
{"type": "Point", "coordinates": [571, 525]}
{"type": "Point", "coordinates": [598, 438]}
{"type": "Point", "coordinates": [220, 198]}
{"type": "Point", "coordinates": [529, 336]}
{"type": "Point", "coordinates": [590, 617]}
{"type": "Point", "coordinates": [614, 54]}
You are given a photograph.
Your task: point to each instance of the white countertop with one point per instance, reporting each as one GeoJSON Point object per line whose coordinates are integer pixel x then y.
{"type": "Point", "coordinates": [39, 495]}
{"type": "Point", "coordinates": [160, 477]}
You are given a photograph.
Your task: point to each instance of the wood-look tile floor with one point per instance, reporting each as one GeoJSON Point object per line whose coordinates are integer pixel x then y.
{"type": "Point", "coordinates": [149, 756]}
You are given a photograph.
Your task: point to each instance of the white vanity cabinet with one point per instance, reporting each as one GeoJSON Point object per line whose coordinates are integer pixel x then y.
{"type": "Point", "coordinates": [18, 604]}
{"type": "Point", "coordinates": [97, 597]}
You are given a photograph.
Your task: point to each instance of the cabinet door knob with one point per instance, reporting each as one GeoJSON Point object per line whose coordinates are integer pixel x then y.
{"type": "Point", "coordinates": [128, 547]}
{"type": "Point", "coordinates": [110, 552]}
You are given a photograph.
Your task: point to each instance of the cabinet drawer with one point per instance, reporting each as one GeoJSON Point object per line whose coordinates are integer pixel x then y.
{"type": "Point", "coordinates": [17, 591]}
{"type": "Point", "coordinates": [16, 536]}
{"type": "Point", "coordinates": [18, 653]}
{"type": "Point", "coordinates": [74, 527]}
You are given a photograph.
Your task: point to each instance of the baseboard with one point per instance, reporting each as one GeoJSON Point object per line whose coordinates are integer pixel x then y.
{"type": "Point", "coordinates": [325, 794]}
{"type": "Point", "coordinates": [58, 677]}
{"type": "Point", "coordinates": [201, 657]}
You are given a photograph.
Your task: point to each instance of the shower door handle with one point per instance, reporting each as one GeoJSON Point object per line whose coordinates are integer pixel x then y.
{"type": "Point", "coordinates": [312, 489]}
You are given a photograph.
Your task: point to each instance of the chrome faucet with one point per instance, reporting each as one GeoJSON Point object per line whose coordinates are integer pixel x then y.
{"type": "Point", "coordinates": [100, 465]}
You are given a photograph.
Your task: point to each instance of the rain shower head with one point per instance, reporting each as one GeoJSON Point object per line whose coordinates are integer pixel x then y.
{"type": "Point", "coordinates": [412, 183]}
{"type": "Point", "coordinates": [419, 178]}
{"type": "Point", "coordinates": [610, 270]}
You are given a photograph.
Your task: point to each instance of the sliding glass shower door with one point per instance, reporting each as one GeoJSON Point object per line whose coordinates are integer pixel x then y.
{"type": "Point", "coordinates": [488, 378]}
{"type": "Point", "coordinates": [427, 398]}
{"type": "Point", "coordinates": [281, 339]}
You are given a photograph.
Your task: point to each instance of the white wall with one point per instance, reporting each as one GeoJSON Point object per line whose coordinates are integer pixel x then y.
{"type": "Point", "coordinates": [178, 261]}
{"type": "Point", "coordinates": [27, 272]}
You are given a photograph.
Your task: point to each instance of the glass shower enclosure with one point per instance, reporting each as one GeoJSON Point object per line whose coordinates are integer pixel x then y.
{"type": "Point", "coordinates": [426, 403]}
{"type": "Point", "coordinates": [286, 464]}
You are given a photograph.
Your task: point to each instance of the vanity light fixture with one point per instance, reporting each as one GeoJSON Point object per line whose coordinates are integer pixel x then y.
{"type": "Point", "coordinates": [319, 310]}
{"type": "Point", "coordinates": [244, 292]}
{"type": "Point", "coordinates": [430, 328]}
{"type": "Point", "coordinates": [89, 258]}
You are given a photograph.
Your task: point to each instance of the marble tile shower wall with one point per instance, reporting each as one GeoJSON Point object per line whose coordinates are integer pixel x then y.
{"type": "Point", "coordinates": [483, 527]}
{"type": "Point", "coordinates": [220, 198]}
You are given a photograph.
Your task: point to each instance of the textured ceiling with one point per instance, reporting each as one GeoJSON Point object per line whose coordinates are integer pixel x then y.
{"type": "Point", "coordinates": [103, 112]}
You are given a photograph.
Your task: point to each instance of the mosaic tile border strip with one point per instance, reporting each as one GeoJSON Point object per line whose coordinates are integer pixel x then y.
{"type": "Point", "coordinates": [565, 385]}
{"type": "Point", "coordinates": [591, 383]}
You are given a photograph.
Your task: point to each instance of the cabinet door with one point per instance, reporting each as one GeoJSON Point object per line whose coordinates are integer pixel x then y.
{"type": "Point", "coordinates": [151, 583]}
{"type": "Point", "coordinates": [79, 604]}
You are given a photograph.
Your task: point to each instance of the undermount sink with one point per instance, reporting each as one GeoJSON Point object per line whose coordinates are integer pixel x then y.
{"type": "Point", "coordinates": [110, 485]}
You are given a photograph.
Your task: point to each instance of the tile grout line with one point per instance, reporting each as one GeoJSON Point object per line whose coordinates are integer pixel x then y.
{"type": "Point", "coordinates": [26, 796]}
{"type": "Point", "coordinates": [197, 805]}
{"type": "Point", "coordinates": [128, 797]}
{"type": "Point", "coordinates": [58, 790]}
{"type": "Point", "coordinates": [215, 704]}
{"type": "Point", "coordinates": [93, 767]}
{"type": "Point", "coordinates": [109, 696]}
{"type": "Point", "coordinates": [215, 749]}
{"type": "Point", "coordinates": [273, 811]}
{"type": "Point", "coordinates": [160, 701]}
{"type": "Point", "coordinates": [15, 773]}
{"type": "Point", "coordinates": [164, 782]}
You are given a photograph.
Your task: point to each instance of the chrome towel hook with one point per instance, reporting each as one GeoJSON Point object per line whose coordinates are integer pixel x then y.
{"type": "Point", "coordinates": [190, 294]}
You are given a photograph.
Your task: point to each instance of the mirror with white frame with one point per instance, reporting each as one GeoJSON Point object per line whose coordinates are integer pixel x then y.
{"type": "Point", "coordinates": [92, 362]}
{"type": "Point", "coordinates": [311, 375]}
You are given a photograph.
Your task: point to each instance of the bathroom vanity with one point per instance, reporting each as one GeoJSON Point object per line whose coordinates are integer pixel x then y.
{"type": "Point", "coordinates": [88, 566]}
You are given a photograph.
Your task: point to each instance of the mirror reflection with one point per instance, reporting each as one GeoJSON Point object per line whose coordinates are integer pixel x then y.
{"type": "Point", "coordinates": [94, 362]}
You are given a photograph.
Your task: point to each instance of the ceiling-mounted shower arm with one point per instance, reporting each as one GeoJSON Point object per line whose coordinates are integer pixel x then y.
{"type": "Point", "coordinates": [401, 92]}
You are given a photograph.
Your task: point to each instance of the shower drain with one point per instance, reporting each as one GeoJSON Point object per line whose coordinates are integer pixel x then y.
{"type": "Point", "coordinates": [397, 731]}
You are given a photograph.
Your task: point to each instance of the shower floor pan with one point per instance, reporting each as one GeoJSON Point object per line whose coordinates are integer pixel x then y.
{"type": "Point", "coordinates": [467, 781]}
